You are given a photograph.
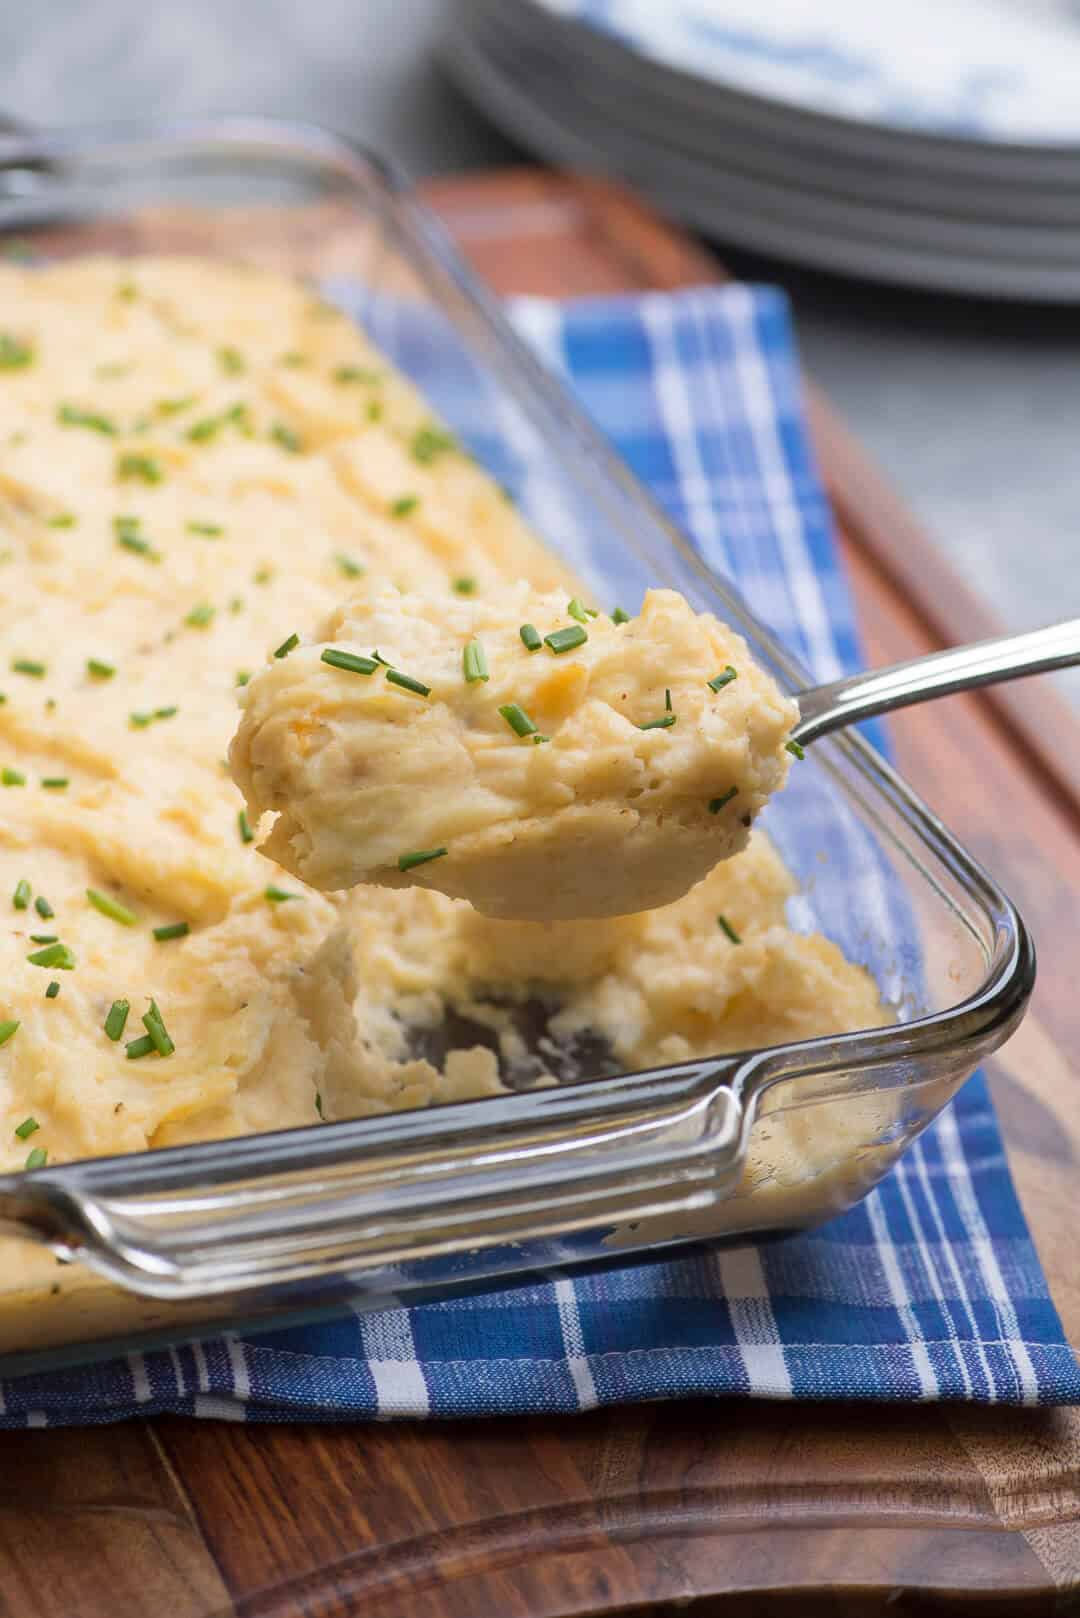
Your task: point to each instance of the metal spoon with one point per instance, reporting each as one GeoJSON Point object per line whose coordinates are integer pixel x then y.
{"type": "Point", "coordinates": [823, 708]}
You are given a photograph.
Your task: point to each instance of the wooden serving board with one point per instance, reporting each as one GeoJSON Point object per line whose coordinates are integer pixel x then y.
{"type": "Point", "coordinates": [705, 1508]}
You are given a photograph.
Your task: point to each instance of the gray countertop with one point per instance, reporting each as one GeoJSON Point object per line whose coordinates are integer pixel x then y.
{"type": "Point", "coordinates": [974, 410]}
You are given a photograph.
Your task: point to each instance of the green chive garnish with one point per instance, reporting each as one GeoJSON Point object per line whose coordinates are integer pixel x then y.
{"type": "Point", "coordinates": [285, 437]}
{"type": "Point", "coordinates": [53, 990]}
{"type": "Point", "coordinates": [173, 407]}
{"type": "Point", "coordinates": [354, 373]}
{"type": "Point", "coordinates": [716, 804]}
{"type": "Point", "coordinates": [352, 662]}
{"type": "Point", "coordinates": [577, 609]}
{"type": "Point", "coordinates": [116, 1021]}
{"type": "Point", "coordinates": [726, 927]}
{"type": "Point", "coordinates": [667, 699]}
{"type": "Point", "coordinates": [111, 908]}
{"type": "Point", "coordinates": [201, 432]}
{"type": "Point", "coordinates": [43, 938]}
{"type": "Point", "coordinates": [374, 410]}
{"type": "Point", "coordinates": [231, 361]}
{"type": "Point", "coordinates": [69, 415]}
{"type": "Point", "coordinates": [421, 857]}
{"type": "Point", "coordinates": [7, 1029]}
{"type": "Point", "coordinates": [430, 442]}
{"type": "Point", "coordinates": [200, 616]}
{"type": "Point", "coordinates": [474, 662]}
{"type": "Point", "coordinates": [139, 1047]}
{"type": "Point", "coordinates": [620, 617]}
{"type": "Point", "coordinates": [28, 1127]}
{"type": "Point", "coordinates": [131, 541]}
{"type": "Point", "coordinates": [351, 569]}
{"type": "Point", "coordinates": [718, 682]}
{"type": "Point", "coordinates": [54, 783]}
{"type": "Point", "coordinates": [665, 722]}
{"type": "Point", "coordinates": [175, 929]}
{"type": "Point", "coordinates": [58, 955]}
{"type": "Point", "coordinates": [44, 908]}
{"type": "Point", "coordinates": [21, 897]}
{"type": "Point", "coordinates": [407, 683]}
{"type": "Point", "coordinates": [319, 1106]}
{"type": "Point", "coordinates": [29, 665]}
{"type": "Point", "coordinates": [242, 676]}
{"type": "Point", "coordinates": [166, 713]}
{"type": "Point", "coordinates": [63, 519]}
{"type": "Point", "coordinates": [288, 646]}
{"type": "Point", "coordinates": [530, 637]}
{"type": "Point", "coordinates": [98, 670]}
{"type": "Point", "coordinates": [518, 720]}
{"type": "Point", "coordinates": [279, 896]}
{"type": "Point", "coordinates": [263, 575]}
{"type": "Point", "coordinates": [796, 749]}
{"type": "Point", "coordinates": [564, 640]}
{"type": "Point", "coordinates": [246, 833]}
{"type": "Point", "coordinates": [144, 467]}
{"type": "Point", "coordinates": [12, 778]}
{"type": "Point", "coordinates": [38, 1158]}
{"type": "Point", "coordinates": [404, 504]}
{"type": "Point", "coordinates": [154, 1024]}
{"type": "Point", "coordinates": [14, 356]}
{"type": "Point", "coordinates": [207, 530]}
{"type": "Point", "coordinates": [465, 586]}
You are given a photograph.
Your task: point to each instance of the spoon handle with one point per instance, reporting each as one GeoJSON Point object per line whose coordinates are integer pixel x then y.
{"type": "Point", "coordinates": [823, 708]}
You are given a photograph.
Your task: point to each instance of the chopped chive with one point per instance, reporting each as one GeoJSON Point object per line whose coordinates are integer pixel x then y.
{"type": "Point", "coordinates": [139, 546]}
{"type": "Point", "coordinates": [201, 431]}
{"type": "Point", "coordinates": [407, 683]}
{"type": "Point", "coordinates": [430, 442]}
{"type": "Point", "coordinates": [173, 407]}
{"type": "Point", "coordinates": [246, 833]}
{"type": "Point", "coordinates": [288, 646]}
{"type": "Point", "coordinates": [354, 373]}
{"type": "Point", "coordinates": [53, 990]}
{"type": "Point", "coordinates": [58, 955]}
{"type": "Point", "coordinates": [380, 659]}
{"type": "Point", "coordinates": [116, 1021]}
{"type": "Point", "coordinates": [530, 637]}
{"type": "Point", "coordinates": [207, 530]}
{"type": "Point", "coordinates": [29, 665]}
{"type": "Point", "coordinates": [166, 713]}
{"type": "Point", "coordinates": [28, 1127]}
{"type": "Point", "coordinates": [319, 1105]}
{"type": "Point", "coordinates": [144, 467]}
{"type": "Point", "coordinates": [465, 586]}
{"type": "Point", "coordinates": [474, 663]}
{"type": "Point", "coordinates": [718, 681]}
{"type": "Point", "coordinates": [63, 519]}
{"type": "Point", "coordinates": [726, 927]}
{"type": "Point", "coordinates": [716, 804]}
{"type": "Point", "coordinates": [279, 896]}
{"type": "Point", "coordinates": [99, 670]}
{"type": "Point", "coordinates": [796, 749]}
{"type": "Point", "coordinates": [111, 907]}
{"type": "Point", "coordinates": [242, 676]}
{"type": "Point", "coordinates": [14, 356]}
{"type": "Point", "coordinates": [231, 361]}
{"type": "Point", "coordinates": [69, 415]}
{"type": "Point", "coordinates": [577, 609]}
{"type": "Point", "coordinates": [351, 662]}
{"type": "Point", "coordinates": [665, 722]}
{"type": "Point", "coordinates": [21, 897]}
{"type": "Point", "coordinates": [286, 437]}
{"type": "Point", "coordinates": [43, 938]}
{"type": "Point", "coordinates": [7, 1029]}
{"type": "Point", "coordinates": [139, 1047]}
{"type": "Point", "coordinates": [404, 504]}
{"type": "Point", "coordinates": [351, 569]}
{"type": "Point", "coordinates": [154, 1024]}
{"type": "Point", "coordinates": [263, 575]}
{"type": "Point", "coordinates": [139, 721]}
{"type": "Point", "coordinates": [564, 640]}
{"type": "Point", "coordinates": [38, 1158]}
{"type": "Point", "coordinates": [620, 617]}
{"type": "Point", "coordinates": [667, 699]}
{"type": "Point", "coordinates": [44, 908]}
{"type": "Point", "coordinates": [201, 616]}
{"type": "Point", "coordinates": [12, 778]}
{"type": "Point", "coordinates": [175, 929]}
{"type": "Point", "coordinates": [518, 719]}
{"type": "Point", "coordinates": [236, 604]}
{"type": "Point", "coordinates": [421, 857]}
{"type": "Point", "coordinates": [128, 291]}
{"type": "Point", "coordinates": [55, 783]}
{"type": "Point", "coordinates": [375, 410]}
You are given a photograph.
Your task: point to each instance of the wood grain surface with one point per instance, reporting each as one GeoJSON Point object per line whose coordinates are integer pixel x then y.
{"type": "Point", "coordinates": [723, 1508]}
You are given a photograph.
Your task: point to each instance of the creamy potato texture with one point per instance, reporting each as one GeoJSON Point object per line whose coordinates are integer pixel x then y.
{"type": "Point", "coordinates": [196, 462]}
{"type": "Point", "coordinates": [584, 768]}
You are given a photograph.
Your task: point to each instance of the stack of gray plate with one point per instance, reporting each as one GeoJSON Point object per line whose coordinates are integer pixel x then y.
{"type": "Point", "coordinates": [934, 143]}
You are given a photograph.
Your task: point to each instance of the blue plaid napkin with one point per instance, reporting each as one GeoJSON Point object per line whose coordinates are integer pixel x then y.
{"type": "Point", "coordinates": [929, 1289]}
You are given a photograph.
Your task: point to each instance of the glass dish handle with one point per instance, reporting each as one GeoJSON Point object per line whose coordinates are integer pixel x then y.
{"type": "Point", "coordinates": [349, 1204]}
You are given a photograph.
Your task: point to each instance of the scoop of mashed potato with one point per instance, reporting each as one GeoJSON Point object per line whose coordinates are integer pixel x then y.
{"type": "Point", "coordinates": [527, 754]}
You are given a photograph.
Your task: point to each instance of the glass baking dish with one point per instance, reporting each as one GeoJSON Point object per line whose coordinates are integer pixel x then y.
{"type": "Point", "coordinates": [166, 1243]}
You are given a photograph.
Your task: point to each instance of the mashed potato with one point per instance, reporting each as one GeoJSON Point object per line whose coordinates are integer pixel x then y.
{"type": "Point", "coordinates": [196, 461]}
{"type": "Point", "coordinates": [588, 768]}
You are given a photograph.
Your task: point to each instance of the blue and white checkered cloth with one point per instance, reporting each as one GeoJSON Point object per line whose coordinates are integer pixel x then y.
{"type": "Point", "coordinates": [929, 1289]}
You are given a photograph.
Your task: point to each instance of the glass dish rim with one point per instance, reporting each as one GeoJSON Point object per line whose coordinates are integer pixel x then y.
{"type": "Point", "coordinates": [998, 1000]}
